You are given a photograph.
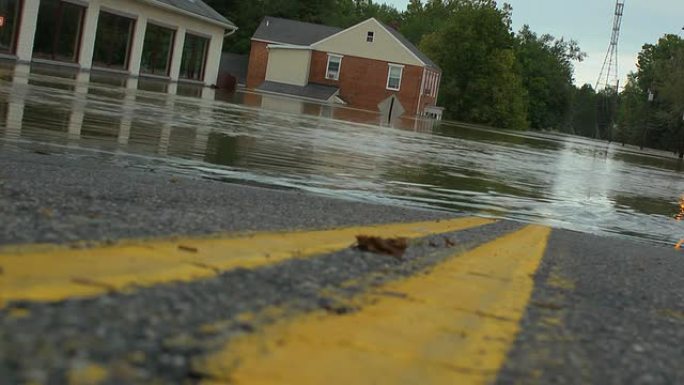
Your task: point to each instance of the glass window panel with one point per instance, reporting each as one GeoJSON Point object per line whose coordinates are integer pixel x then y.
{"type": "Point", "coordinates": [156, 56]}
{"type": "Point", "coordinates": [333, 70]}
{"type": "Point", "coordinates": [194, 57]}
{"type": "Point", "coordinates": [9, 11]}
{"type": "Point", "coordinates": [394, 78]}
{"type": "Point", "coordinates": [113, 41]}
{"type": "Point", "coordinates": [58, 30]}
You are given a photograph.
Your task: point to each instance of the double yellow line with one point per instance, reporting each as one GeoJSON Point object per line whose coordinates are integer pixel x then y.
{"type": "Point", "coordinates": [454, 325]}
{"type": "Point", "coordinates": [34, 273]}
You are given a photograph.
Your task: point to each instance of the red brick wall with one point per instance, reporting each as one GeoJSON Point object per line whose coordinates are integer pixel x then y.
{"type": "Point", "coordinates": [258, 59]}
{"type": "Point", "coordinates": [363, 82]}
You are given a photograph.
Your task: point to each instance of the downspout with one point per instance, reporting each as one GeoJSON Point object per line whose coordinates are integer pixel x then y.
{"type": "Point", "coordinates": [232, 31]}
{"type": "Point", "coordinates": [420, 91]}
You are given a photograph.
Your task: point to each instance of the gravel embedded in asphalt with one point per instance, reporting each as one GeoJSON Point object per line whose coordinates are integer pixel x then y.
{"type": "Point", "coordinates": [93, 197]}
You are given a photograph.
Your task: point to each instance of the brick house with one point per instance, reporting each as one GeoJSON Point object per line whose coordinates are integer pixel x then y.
{"type": "Point", "coordinates": [368, 66]}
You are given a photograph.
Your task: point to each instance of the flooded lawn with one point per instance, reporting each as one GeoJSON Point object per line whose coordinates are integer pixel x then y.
{"type": "Point", "coordinates": [567, 182]}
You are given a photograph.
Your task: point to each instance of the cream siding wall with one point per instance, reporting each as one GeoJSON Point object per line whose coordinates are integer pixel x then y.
{"type": "Point", "coordinates": [143, 12]}
{"type": "Point", "coordinates": [353, 42]}
{"type": "Point", "coordinates": [289, 66]}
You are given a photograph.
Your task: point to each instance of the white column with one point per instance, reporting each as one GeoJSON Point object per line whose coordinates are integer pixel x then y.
{"type": "Point", "coordinates": [211, 70]}
{"type": "Point", "coordinates": [16, 102]}
{"type": "Point", "coordinates": [78, 105]}
{"type": "Point", "coordinates": [178, 45]}
{"type": "Point", "coordinates": [27, 30]}
{"type": "Point", "coordinates": [127, 111]}
{"type": "Point", "coordinates": [92, 16]}
{"type": "Point", "coordinates": [164, 140]}
{"type": "Point", "coordinates": [167, 125]}
{"type": "Point", "coordinates": [208, 93]}
{"type": "Point", "coordinates": [137, 46]}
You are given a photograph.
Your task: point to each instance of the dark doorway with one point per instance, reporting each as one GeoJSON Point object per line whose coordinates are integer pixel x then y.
{"type": "Point", "coordinates": [157, 50]}
{"type": "Point", "coordinates": [194, 57]}
{"type": "Point", "coordinates": [58, 33]}
{"type": "Point", "coordinates": [113, 41]}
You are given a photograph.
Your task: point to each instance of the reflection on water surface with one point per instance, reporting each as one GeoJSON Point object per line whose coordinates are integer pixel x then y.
{"type": "Point", "coordinates": [563, 181]}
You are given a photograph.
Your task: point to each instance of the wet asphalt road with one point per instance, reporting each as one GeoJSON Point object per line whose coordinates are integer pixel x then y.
{"type": "Point", "coordinates": [603, 310]}
{"type": "Point", "coordinates": [49, 197]}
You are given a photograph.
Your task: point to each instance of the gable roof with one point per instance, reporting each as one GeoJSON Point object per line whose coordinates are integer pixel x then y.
{"type": "Point", "coordinates": [406, 43]}
{"type": "Point", "coordinates": [197, 8]}
{"type": "Point", "coordinates": [285, 31]}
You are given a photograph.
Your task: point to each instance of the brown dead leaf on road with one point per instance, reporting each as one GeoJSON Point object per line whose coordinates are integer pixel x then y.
{"type": "Point", "coordinates": [189, 249]}
{"type": "Point", "coordinates": [47, 212]}
{"type": "Point", "coordinates": [395, 247]}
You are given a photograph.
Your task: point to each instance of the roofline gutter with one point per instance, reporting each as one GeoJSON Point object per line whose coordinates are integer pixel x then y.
{"type": "Point", "coordinates": [290, 46]}
{"type": "Point", "coordinates": [171, 8]}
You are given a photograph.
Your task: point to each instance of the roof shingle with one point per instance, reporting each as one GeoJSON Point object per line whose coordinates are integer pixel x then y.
{"type": "Point", "coordinates": [285, 31]}
{"type": "Point", "coordinates": [200, 8]}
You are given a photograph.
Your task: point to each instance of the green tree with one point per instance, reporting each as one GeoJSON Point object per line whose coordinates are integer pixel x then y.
{"type": "Point", "coordinates": [582, 119]}
{"type": "Point", "coordinates": [475, 49]}
{"type": "Point", "coordinates": [546, 66]}
{"type": "Point", "coordinates": [633, 113]}
{"type": "Point", "coordinates": [660, 72]}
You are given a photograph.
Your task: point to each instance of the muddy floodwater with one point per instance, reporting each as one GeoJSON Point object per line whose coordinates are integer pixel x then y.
{"type": "Point", "coordinates": [564, 181]}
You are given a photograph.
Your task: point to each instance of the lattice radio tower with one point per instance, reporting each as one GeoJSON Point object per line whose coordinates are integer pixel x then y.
{"type": "Point", "coordinates": [609, 76]}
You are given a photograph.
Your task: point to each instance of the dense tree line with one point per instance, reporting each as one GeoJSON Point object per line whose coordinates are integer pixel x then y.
{"type": "Point", "coordinates": [651, 105]}
{"type": "Point", "coordinates": [491, 75]}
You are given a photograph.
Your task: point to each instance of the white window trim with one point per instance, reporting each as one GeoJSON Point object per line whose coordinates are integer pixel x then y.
{"type": "Point", "coordinates": [371, 35]}
{"type": "Point", "coordinates": [327, 66]}
{"type": "Point", "coordinates": [389, 72]}
{"type": "Point", "coordinates": [434, 90]}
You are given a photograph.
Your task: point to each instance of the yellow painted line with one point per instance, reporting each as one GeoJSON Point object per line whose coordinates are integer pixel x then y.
{"type": "Point", "coordinates": [454, 325]}
{"type": "Point", "coordinates": [39, 274]}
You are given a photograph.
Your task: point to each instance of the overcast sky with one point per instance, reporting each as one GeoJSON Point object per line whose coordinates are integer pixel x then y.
{"type": "Point", "coordinates": [590, 23]}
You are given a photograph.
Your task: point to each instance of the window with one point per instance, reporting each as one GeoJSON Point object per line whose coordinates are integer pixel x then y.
{"type": "Point", "coordinates": [113, 41]}
{"type": "Point", "coordinates": [156, 55]}
{"type": "Point", "coordinates": [194, 57]}
{"type": "Point", "coordinates": [370, 37]}
{"type": "Point", "coordinates": [333, 70]}
{"type": "Point", "coordinates": [394, 77]}
{"type": "Point", "coordinates": [58, 32]}
{"type": "Point", "coordinates": [9, 9]}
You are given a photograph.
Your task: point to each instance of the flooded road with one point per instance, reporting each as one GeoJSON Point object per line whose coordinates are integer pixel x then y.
{"type": "Point", "coordinates": [566, 182]}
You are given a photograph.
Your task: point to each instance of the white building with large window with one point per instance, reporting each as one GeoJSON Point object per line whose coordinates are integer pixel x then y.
{"type": "Point", "coordinates": [178, 40]}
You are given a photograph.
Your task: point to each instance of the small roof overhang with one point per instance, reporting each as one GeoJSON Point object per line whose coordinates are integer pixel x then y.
{"type": "Point", "coordinates": [213, 18]}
